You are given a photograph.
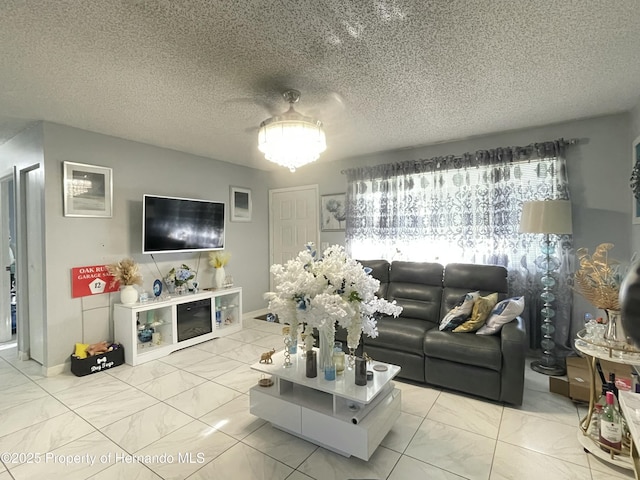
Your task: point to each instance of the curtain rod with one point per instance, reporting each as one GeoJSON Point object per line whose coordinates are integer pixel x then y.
{"type": "Point", "coordinates": [479, 157]}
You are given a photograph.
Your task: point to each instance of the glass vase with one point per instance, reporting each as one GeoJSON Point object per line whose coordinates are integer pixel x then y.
{"type": "Point", "coordinates": [615, 334]}
{"type": "Point", "coordinates": [293, 334]}
{"type": "Point", "coordinates": [325, 351]}
{"type": "Point", "coordinates": [352, 345]}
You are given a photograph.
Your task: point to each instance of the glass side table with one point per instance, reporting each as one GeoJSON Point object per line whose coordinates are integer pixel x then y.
{"type": "Point", "coordinates": [595, 350]}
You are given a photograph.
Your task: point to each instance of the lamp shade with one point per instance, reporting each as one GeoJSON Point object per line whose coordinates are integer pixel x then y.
{"type": "Point", "coordinates": [546, 216]}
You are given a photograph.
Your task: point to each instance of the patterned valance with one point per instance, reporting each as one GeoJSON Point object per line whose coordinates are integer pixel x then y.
{"type": "Point", "coordinates": [501, 155]}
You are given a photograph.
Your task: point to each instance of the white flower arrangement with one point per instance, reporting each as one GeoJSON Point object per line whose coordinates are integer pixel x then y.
{"type": "Point", "coordinates": [321, 291]}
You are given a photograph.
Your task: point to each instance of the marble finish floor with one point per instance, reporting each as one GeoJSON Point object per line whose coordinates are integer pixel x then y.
{"type": "Point", "coordinates": [187, 416]}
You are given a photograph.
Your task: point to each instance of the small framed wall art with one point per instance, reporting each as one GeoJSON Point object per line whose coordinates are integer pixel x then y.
{"type": "Point", "coordinates": [333, 212]}
{"type": "Point", "coordinates": [87, 190]}
{"type": "Point", "coordinates": [241, 207]}
{"type": "Point", "coordinates": [635, 182]}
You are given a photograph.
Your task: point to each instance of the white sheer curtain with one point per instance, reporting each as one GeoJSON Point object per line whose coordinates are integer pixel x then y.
{"type": "Point", "coordinates": [464, 209]}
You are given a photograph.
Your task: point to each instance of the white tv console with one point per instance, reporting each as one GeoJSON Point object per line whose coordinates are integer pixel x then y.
{"type": "Point", "coordinates": [222, 318]}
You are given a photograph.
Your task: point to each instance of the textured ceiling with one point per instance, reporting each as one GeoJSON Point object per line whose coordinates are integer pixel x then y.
{"type": "Point", "coordinates": [200, 76]}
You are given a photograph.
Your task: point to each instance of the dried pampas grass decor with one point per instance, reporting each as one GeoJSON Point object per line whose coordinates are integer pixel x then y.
{"type": "Point", "coordinates": [599, 277]}
{"type": "Point", "coordinates": [125, 272]}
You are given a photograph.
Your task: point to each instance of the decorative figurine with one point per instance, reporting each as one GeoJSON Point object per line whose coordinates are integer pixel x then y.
{"type": "Point", "coordinates": [266, 356]}
{"type": "Point", "coordinates": [157, 288]}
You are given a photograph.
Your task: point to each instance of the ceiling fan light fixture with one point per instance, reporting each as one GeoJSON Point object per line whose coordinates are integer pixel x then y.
{"type": "Point", "coordinates": [291, 139]}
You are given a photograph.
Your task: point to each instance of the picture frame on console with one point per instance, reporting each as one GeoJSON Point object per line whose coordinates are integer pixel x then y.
{"type": "Point", "coordinates": [333, 212]}
{"type": "Point", "coordinates": [87, 190]}
{"type": "Point", "coordinates": [635, 181]}
{"type": "Point", "coordinates": [241, 205]}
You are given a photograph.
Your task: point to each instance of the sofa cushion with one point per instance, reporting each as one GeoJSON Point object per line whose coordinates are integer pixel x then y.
{"type": "Point", "coordinates": [403, 334]}
{"type": "Point", "coordinates": [417, 288]}
{"type": "Point", "coordinates": [503, 313]}
{"type": "Point", "coordinates": [379, 271]}
{"type": "Point", "coordinates": [478, 350]}
{"type": "Point", "coordinates": [482, 308]}
{"type": "Point", "coordinates": [459, 314]}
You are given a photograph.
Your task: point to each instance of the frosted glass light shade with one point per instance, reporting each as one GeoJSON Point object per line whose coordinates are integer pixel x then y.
{"type": "Point", "coordinates": [291, 139]}
{"type": "Point", "coordinates": [546, 216]}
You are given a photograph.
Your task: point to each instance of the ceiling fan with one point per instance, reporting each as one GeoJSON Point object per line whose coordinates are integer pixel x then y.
{"type": "Point", "coordinates": [291, 139]}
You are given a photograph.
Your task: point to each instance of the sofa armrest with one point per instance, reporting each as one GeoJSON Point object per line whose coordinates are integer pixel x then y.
{"type": "Point", "coordinates": [513, 338]}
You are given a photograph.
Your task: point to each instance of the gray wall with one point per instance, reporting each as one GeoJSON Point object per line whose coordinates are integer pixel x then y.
{"type": "Point", "coordinates": [598, 168]}
{"type": "Point", "coordinates": [137, 169]}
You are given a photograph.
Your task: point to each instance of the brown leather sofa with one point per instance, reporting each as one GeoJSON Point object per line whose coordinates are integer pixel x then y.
{"type": "Point", "coordinates": [489, 366]}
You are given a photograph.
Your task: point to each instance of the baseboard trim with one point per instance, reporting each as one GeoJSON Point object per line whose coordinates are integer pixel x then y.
{"type": "Point", "coordinates": [256, 313]}
{"type": "Point", "coordinates": [56, 369]}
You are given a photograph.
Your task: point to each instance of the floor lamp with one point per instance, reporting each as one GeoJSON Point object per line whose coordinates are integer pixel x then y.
{"type": "Point", "coordinates": [547, 217]}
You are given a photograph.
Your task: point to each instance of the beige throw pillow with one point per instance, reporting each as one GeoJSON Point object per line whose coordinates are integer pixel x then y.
{"type": "Point", "coordinates": [481, 309]}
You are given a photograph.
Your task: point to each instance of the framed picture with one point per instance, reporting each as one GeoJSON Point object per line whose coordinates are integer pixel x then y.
{"type": "Point", "coordinates": [635, 181]}
{"type": "Point", "coordinates": [88, 190]}
{"type": "Point", "coordinates": [333, 212]}
{"type": "Point", "coordinates": [241, 206]}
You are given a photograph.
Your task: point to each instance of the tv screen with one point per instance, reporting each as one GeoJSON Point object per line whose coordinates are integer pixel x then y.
{"type": "Point", "coordinates": [172, 224]}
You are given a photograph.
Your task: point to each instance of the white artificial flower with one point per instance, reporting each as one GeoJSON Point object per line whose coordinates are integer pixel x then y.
{"type": "Point", "coordinates": [323, 291]}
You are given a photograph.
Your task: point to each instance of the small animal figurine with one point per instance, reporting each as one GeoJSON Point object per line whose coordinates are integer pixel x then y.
{"type": "Point", "coordinates": [266, 356]}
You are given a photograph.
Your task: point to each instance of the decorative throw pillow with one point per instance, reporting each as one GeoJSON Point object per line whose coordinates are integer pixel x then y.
{"type": "Point", "coordinates": [481, 309]}
{"type": "Point", "coordinates": [503, 313]}
{"type": "Point", "coordinates": [458, 314]}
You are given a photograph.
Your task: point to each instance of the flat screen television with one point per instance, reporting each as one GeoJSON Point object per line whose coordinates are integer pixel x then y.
{"type": "Point", "coordinates": [171, 224]}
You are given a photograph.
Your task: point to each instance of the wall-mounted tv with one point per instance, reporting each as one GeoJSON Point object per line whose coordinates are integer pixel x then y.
{"type": "Point", "coordinates": [171, 224]}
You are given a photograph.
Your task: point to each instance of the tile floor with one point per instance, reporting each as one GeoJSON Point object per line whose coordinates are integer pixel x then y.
{"type": "Point", "coordinates": [187, 416]}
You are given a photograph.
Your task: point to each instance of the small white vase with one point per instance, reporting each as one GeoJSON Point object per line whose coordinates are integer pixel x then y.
{"type": "Point", "coordinates": [128, 295]}
{"type": "Point", "coordinates": [218, 277]}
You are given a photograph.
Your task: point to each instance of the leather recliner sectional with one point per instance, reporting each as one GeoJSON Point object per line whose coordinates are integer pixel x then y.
{"type": "Point", "coordinates": [489, 366]}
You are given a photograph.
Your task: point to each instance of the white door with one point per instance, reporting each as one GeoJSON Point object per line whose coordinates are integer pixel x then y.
{"type": "Point", "coordinates": [293, 221]}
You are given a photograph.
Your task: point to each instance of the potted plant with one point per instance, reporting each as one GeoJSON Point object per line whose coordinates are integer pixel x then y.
{"type": "Point", "coordinates": [126, 273]}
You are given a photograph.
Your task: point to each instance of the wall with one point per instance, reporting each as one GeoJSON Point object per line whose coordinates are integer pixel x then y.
{"type": "Point", "coordinates": [137, 169]}
{"type": "Point", "coordinates": [598, 169]}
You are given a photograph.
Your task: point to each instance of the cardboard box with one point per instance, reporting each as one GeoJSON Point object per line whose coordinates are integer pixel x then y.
{"type": "Point", "coordinates": [580, 378]}
{"type": "Point", "coordinates": [97, 363]}
{"type": "Point", "coordinates": [559, 385]}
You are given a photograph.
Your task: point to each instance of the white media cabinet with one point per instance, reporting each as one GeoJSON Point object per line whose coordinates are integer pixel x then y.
{"type": "Point", "coordinates": [216, 312]}
{"type": "Point", "coordinates": [338, 415]}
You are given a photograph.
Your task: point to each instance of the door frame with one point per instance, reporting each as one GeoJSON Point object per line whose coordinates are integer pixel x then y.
{"type": "Point", "coordinates": [5, 257]}
{"type": "Point", "coordinates": [23, 294]}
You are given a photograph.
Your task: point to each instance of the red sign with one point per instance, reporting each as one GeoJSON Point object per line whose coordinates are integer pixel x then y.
{"type": "Point", "coordinates": [92, 280]}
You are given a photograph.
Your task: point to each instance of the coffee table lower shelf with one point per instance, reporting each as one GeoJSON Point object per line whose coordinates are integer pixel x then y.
{"type": "Point", "coordinates": [313, 416]}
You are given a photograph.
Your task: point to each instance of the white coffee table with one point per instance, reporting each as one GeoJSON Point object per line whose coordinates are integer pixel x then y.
{"type": "Point", "coordinates": [338, 415]}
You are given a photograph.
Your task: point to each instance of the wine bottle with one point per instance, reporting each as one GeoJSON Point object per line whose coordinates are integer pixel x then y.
{"type": "Point", "coordinates": [610, 425]}
{"type": "Point", "coordinates": [612, 384]}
